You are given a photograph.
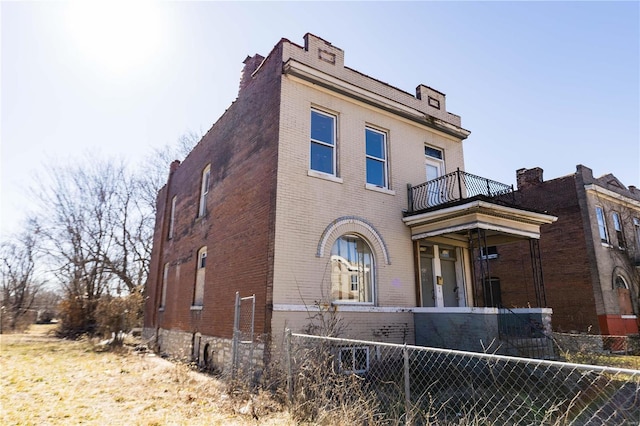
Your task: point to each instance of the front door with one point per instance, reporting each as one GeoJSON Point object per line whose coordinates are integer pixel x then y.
{"type": "Point", "coordinates": [426, 278]}
{"type": "Point", "coordinates": [449, 284]}
{"type": "Point", "coordinates": [439, 277]}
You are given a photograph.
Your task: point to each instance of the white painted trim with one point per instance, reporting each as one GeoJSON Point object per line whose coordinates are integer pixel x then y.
{"type": "Point", "coordinates": [477, 224]}
{"type": "Point", "coordinates": [285, 307]}
{"type": "Point", "coordinates": [379, 189]}
{"type": "Point", "coordinates": [325, 176]}
{"type": "Point", "coordinates": [628, 316]}
{"type": "Point", "coordinates": [196, 308]}
{"type": "Point", "coordinates": [613, 196]}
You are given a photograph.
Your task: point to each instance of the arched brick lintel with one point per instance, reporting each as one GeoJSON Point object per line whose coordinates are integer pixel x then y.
{"type": "Point", "coordinates": [353, 225]}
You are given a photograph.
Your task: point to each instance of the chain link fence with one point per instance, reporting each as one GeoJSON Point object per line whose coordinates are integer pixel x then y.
{"type": "Point", "coordinates": [242, 356]}
{"type": "Point", "coordinates": [380, 383]}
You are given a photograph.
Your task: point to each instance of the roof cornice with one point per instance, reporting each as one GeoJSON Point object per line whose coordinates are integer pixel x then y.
{"type": "Point", "coordinates": [312, 75]}
{"type": "Point", "coordinates": [611, 195]}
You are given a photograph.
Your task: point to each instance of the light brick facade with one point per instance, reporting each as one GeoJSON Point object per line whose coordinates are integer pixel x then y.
{"type": "Point", "coordinates": [270, 221]}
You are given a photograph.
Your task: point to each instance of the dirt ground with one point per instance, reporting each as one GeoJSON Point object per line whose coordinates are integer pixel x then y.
{"type": "Point", "coordinates": [49, 381]}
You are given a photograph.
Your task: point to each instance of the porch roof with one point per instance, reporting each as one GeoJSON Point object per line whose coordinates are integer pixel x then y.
{"type": "Point", "coordinates": [503, 224]}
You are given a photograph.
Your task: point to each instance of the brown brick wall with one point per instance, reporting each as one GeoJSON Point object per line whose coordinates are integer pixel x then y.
{"type": "Point", "coordinates": [565, 263]}
{"type": "Point", "coordinates": [238, 225]}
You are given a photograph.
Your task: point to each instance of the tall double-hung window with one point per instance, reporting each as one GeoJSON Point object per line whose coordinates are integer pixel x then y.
{"type": "Point", "coordinates": [602, 225]}
{"type": "Point", "coordinates": [323, 142]}
{"type": "Point", "coordinates": [617, 225]}
{"type": "Point", "coordinates": [376, 148]}
{"type": "Point", "coordinates": [204, 190]}
{"type": "Point", "coordinates": [198, 292]}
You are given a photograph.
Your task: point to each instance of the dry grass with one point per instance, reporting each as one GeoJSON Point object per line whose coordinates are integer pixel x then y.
{"type": "Point", "coordinates": [47, 381]}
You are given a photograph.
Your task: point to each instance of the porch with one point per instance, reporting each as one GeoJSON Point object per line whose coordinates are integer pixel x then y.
{"type": "Point", "coordinates": [457, 222]}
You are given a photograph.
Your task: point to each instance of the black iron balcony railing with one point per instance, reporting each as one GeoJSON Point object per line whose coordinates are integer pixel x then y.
{"type": "Point", "coordinates": [455, 186]}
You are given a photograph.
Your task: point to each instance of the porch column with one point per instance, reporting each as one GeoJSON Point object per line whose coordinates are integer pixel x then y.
{"type": "Point", "coordinates": [536, 266]}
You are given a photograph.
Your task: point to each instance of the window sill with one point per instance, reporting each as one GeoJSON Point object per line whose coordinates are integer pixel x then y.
{"type": "Point", "coordinates": [161, 309]}
{"type": "Point", "coordinates": [379, 189]}
{"type": "Point", "coordinates": [196, 307]}
{"type": "Point", "coordinates": [607, 245]}
{"type": "Point", "coordinates": [325, 176]}
{"type": "Point", "coordinates": [351, 303]}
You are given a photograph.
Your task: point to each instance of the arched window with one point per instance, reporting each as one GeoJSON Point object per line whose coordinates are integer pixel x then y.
{"type": "Point", "coordinates": [352, 270]}
{"type": "Point", "coordinates": [620, 282]}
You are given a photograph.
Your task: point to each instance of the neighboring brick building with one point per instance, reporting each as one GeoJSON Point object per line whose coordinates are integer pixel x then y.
{"type": "Point", "coordinates": [301, 193]}
{"type": "Point", "coordinates": [591, 255]}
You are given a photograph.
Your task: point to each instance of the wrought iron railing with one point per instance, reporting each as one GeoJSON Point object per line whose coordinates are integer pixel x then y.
{"type": "Point", "coordinates": [524, 335]}
{"type": "Point", "coordinates": [452, 187]}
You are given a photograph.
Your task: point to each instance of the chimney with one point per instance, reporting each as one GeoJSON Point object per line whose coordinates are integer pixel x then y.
{"type": "Point", "coordinates": [174, 166]}
{"type": "Point", "coordinates": [251, 63]}
{"type": "Point", "coordinates": [528, 177]}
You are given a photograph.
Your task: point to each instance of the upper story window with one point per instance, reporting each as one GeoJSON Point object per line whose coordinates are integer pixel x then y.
{"type": "Point", "coordinates": [172, 217]}
{"type": "Point", "coordinates": [198, 293]}
{"type": "Point", "coordinates": [204, 190]}
{"type": "Point", "coordinates": [323, 142]}
{"type": "Point", "coordinates": [617, 225]}
{"type": "Point", "coordinates": [602, 225]}
{"type": "Point", "coordinates": [636, 227]}
{"type": "Point", "coordinates": [434, 162]}
{"type": "Point", "coordinates": [377, 165]}
{"type": "Point", "coordinates": [352, 270]}
{"type": "Point", "coordinates": [165, 280]}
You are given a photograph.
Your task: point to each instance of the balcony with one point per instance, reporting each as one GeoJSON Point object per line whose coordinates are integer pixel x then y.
{"type": "Point", "coordinates": [456, 187]}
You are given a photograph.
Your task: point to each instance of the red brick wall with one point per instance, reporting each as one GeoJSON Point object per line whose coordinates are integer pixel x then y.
{"type": "Point", "coordinates": [564, 258]}
{"type": "Point", "coordinates": [239, 224]}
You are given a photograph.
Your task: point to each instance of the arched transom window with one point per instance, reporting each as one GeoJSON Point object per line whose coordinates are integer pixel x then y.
{"type": "Point", "coordinates": [352, 270]}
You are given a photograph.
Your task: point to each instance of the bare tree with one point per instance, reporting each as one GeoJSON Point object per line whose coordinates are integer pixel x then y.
{"type": "Point", "coordinates": [20, 285]}
{"type": "Point", "coordinates": [95, 236]}
{"type": "Point", "coordinates": [157, 166]}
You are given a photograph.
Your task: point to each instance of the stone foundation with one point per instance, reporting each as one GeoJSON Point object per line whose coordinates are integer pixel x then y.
{"type": "Point", "coordinates": [209, 352]}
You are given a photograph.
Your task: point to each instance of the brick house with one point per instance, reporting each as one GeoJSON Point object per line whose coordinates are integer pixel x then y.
{"type": "Point", "coordinates": [591, 254]}
{"type": "Point", "coordinates": [307, 194]}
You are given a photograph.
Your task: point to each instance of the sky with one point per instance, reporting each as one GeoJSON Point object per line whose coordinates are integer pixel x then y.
{"type": "Point", "coordinates": [538, 84]}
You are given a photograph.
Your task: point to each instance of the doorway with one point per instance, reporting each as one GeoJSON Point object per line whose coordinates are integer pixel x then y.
{"type": "Point", "coordinates": [439, 277]}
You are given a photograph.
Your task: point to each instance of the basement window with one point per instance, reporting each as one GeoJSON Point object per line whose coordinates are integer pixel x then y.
{"type": "Point", "coordinates": [354, 360]}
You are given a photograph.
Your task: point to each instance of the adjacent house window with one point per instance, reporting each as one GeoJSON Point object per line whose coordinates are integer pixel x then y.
{"type": "Point", "coordinates": [172, 216]}
{"type": "Point", "coordinates": [354, 360]}
{"type": "Point", "coordinates": [352, 270]}
{"type": "Point", "coordinates": [602, 225]}
{"type": "Point", "coordinates": [198, 294]}
{"type": "Point", "coordinates": [617, 225]}
{"type": "Point", "coordinates": [165, 279]}
{"type": "Point", "coordinates": [636, 226]}
{"type": "Point", "coordinates": [490, 252]}
{"type": "Point", "coordinates": [204, 190]}
{"type": "Point", "coordinates": [620, 282]}
{"type": "Point", "coordinates": [492, 292]}
{"type": "Point", "coordinates": [323, 142]}
{"type": "Point", "coordinates": [376, 150]}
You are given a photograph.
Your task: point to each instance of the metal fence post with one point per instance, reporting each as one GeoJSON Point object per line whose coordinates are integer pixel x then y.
{"type": "Point", "coordinates": [236, 332]}
{"type": "Point", "coordinates": [287, 351]}
{"type": "Point", "coordinates": [407, 387]}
